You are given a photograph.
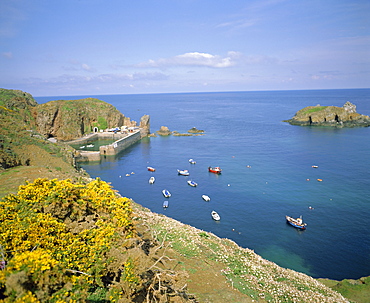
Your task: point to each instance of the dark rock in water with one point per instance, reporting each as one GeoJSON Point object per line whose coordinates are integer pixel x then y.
{"type": "Point", "coordinates": [194, 130]}
{"type": "Point", "coordinates": [164, 131]}
{"type": "Point", "coordinates": [333, 116]}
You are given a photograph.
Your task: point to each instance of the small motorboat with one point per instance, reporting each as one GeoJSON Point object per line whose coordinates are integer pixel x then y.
{"type": "Point", "coordinates": [90, 145]}
{"type": "Point", "coordinates": [166, 193]}
{"type": "Point", "coordinates": [215, 170]}
{"type": "Point", "coordinates": [298, 223]}
{"type": "Point", "coordinates": [206, 198]}
{"type": "Point", "coordinates": [192, 161]}
{"type": "Point", "coordinates": [184, 172]}
{"type": "Point", "coordinates": [315, 166]}
{"type": "Point", "coordinates": [151, 168]}
{"type": "Point", "coordinates": [215, 216]}
{"type": "Point", "coordinates": [192, 183]}
{"type": "Point", "coordinates": [320, 180]}
{"type": "Point", "coordinates": [151, 180]}
{"type": "Point", "coordinates": [165, 204]}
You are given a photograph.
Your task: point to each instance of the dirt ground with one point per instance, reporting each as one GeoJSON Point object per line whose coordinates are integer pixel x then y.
{"type": "Point", "coordinates": [42, 165]}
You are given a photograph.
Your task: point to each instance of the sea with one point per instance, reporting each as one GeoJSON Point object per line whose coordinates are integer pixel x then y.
{"type": "Point", "coordinates": [267, 173]}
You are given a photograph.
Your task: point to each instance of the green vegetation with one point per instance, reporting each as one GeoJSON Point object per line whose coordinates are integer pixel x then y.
{"type": "Point", "coordinates": [313, 109]}
{"type": "Point", "coordinates": [356, 290]}
{"type": "Point", "coordinates": [82, 227]}
{"type": "Point", "coordinates": [102, 123]}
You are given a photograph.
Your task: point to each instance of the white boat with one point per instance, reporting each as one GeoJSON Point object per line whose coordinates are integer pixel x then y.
{"type": "Point", "coordinates": [184, 172]}
{"type": "Point", "coordinates": [165, 204]}
{"type": "Point", "coordinates": [192, 161]}
{"type": "Point", "coordinates": [298, 222]}
{"type": "Point", "coordinates": [206, 198]}
{"type": "Point", "coordinates": [90, 145]}
{"type": "Point", "coordinates": [166, 193]}
{"type": "Point", "coordinates": [151, 180]}
{"type": "Point", "coordinates": [215, 216]}
{"type": "Point", "coordinates": [192, 183]}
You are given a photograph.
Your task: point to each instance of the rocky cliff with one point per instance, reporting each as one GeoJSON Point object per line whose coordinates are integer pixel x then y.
{"type": "Point", "coordinates": [66, 119]}
{"type": "Point", "coordinates": [333, 116]}
{"type": "Point", "coordinates": [69, 119]}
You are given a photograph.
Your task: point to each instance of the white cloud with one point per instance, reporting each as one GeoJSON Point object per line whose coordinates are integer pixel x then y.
{"type": "Point", "coordinates": [86, 67]}
{"type": "Point", "coordinates": [240, 23]}
{"type": "Point", "coordinates": [8, 55]}
{"type": "Point", "coordinates": [194, 59]}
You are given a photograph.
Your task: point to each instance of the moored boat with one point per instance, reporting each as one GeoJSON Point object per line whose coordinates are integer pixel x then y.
{"type": "Point", "coordinates": [151, 168]}
{"type": "Point", "coordinates": [184, 172]}
{"type": "Point", "coordinates": [192, 183]}
{"type": "Point", "coordinates": [298, 222]}
{"type": "Point", "coordinates": [215, 216]}
{"type": "Point", "coordinates": [206, 198]}
{"type": "Point", "coordinates": [215, 170]}
{"type": "Point", "coordinates": [151, 180]}
{"type": "Point", "coordinates": [165, 204]}
{"type": "Point", "coordinates": [192, 161]}
{"type": "Point", "coordinates": [166, 193]}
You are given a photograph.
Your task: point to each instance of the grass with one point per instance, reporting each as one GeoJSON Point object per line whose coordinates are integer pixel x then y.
{"type": "Point", "coordinates": [314, 109]}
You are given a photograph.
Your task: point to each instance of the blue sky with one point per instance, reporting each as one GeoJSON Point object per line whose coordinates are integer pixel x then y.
{"type": "Point", "coordinates": [89, 47]}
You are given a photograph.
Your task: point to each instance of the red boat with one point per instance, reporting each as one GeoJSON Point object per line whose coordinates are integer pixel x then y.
{"type": "Point", "coordinates": [151, 168]}
{"type": "Point", "coordinates": [215, 170]}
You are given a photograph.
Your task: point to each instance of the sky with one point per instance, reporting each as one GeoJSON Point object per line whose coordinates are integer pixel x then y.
{"type": "Point", "coordinates": [96, 47]}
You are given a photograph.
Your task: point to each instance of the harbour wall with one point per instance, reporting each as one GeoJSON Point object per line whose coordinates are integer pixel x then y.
{"type": "Point", "coordinates": [124, 141]}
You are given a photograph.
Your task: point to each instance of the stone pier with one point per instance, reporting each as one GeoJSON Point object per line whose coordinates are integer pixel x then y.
{"type": "Point", "coordinates": [123, 141]}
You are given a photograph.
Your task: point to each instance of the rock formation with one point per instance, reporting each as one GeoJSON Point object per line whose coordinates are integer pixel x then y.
{"type": "Point", "coordinates": [164, 131]}
{"type": "Point", "coordinates": [145, 125]}
{"type": "Point", "coordinates": [194, 130]}
{"type": "Point", "coordinates": [66, 119]}
{"type": "Point", "coordinates": [333, 116]}
{"type": "Point", "coordinates": [69, 119]}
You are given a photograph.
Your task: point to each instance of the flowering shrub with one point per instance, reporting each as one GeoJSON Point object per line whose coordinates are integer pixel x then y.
{"type": "Point", "coordinates": [57, 240]}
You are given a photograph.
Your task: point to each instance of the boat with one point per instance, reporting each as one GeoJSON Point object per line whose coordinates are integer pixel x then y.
{"type": "Point", "coordinates": [215, 216]}
{"type": "Point", "coordinates": [192, 183]}
{"type": "Point", "coordinates": [298, 223]}
{"type": "Point", "coordinates": [215, 170]}
{"type": "Point", "coordinates": [90, 145]}
{"type": "Point", "coordinates": [165, 204]}
{"type": "Point", "coordinates": [166, 193]}
{"type": "Point", "coordinates": [320, 180]}
{"type": "Point", "coordinates": [151, 168]}
{"type": "Point", "coordinates": [191, 161]}
{"type": "Point", "coordinates": [206, 198]}
{"type": "Point", "coordinates": [151, 180]}
{"type": "Point", "coordinates": [184, 172]}
{"type": "Point", "coordinates": [315, 166]}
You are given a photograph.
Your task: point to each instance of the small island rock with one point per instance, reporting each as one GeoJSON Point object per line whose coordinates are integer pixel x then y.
{"type": "Point", "coordinates": [333, 116]}
{"type": "Point", "coordinates": [194, 130]}
{"type": "Point", "coordinates": [164, 131]}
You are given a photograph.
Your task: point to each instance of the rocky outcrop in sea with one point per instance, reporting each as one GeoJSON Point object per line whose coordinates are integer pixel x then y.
{"type": "Point", "coordinates": [332, 116]}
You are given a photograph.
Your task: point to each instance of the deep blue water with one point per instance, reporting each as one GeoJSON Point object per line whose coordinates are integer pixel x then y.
{"type": "Point", "coordinates": [246, 128]}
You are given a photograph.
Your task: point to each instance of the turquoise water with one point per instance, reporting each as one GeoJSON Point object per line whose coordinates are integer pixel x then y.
{"type": "Point", "coordinates": [93, 145]}
{"type": "Point", "coordinates": [246, 128]}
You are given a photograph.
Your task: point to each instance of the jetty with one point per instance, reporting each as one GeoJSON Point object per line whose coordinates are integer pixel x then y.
{"type": "Point", "coordinates": [123, 140]}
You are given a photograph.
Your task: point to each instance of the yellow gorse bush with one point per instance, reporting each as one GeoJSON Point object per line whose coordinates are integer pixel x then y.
{"type": "Point", "coordinates": [60, 233]}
